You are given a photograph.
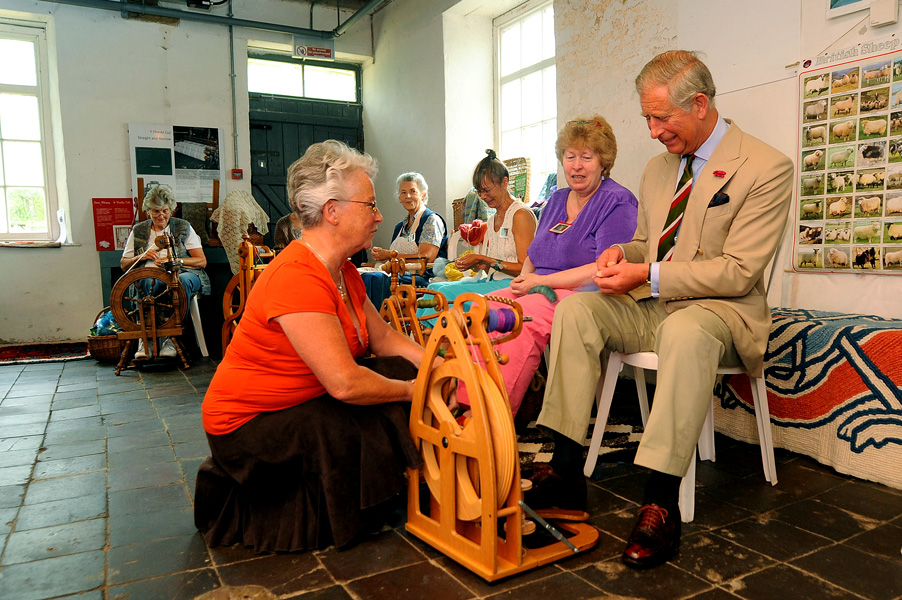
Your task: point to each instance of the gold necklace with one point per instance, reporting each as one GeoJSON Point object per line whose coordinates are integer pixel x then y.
{"type": "Point", "coordinates": [341, 278]}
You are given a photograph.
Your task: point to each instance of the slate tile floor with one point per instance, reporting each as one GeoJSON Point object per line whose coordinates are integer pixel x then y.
{"type": "Point", "coordinates": [96, 484]}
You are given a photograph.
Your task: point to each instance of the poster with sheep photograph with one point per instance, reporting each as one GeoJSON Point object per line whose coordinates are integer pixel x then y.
{"type": "Point", "coordinates": [849, 168]}
{"type": "Point", "coordinates": [895, 149]}
{"type": "Point", "coordinates": [896, 101]}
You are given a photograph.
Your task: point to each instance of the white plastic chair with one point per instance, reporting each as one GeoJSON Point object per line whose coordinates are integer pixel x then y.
{"type": "Point", "coordinates": [641, 361]}
{"type": "Point", "coordinates": [198, 327]}
{"type": "Point", "coordinates": [453, 242]}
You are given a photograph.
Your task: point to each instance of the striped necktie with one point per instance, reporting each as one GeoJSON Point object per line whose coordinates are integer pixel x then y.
{"type": "Point", "coordinates": [675, 216]}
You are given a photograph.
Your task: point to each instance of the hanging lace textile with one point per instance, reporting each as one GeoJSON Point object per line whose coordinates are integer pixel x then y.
{"type": "Point", "coordinates": [234, 214]}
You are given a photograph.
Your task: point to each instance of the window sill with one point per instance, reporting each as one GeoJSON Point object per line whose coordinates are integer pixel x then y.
{"type": "Point", "coordinates": [25, 244]}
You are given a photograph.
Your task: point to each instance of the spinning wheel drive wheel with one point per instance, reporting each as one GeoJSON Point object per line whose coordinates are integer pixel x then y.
{"type": "Point", "coordinates": [469, 493]}
{"type": "Point", "coordinates": [231, 298]}
{"type": "Point", "coordinates": [139, 288]}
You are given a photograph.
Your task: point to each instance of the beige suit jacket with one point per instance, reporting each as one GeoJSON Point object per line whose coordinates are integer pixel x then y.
{"type": "Point", "coordinates": [722, 251]}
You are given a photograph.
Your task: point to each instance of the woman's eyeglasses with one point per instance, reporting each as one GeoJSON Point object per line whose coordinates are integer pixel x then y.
{"type": "Point", "coordinates": [593, 123]}
{"type": "Point", "coordinates": [372, 204]}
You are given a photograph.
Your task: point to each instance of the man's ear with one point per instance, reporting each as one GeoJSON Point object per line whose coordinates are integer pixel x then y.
{"type": "Point", "coordinates": [701, 104]}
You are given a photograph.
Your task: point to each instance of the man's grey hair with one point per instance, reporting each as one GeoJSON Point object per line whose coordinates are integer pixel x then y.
{"type": "Point", "coordinates": [684, 74]}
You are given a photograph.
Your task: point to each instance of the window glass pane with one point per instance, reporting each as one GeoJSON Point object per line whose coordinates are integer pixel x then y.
{"type": "Point", "coordinates": [19, 117]}
{"type": "Point", "coordinates": [549, 138]}
{"type": "Point", "coordinates": [1, 169]}
{"type": "Point", "coordinates": [510, 144]}
{"type": "Point", "coordinates": [531, 40]}
{"type": "Point", "coordinates": [274, 77]}
{"type": "Point", "coordinates": [549, 91]}
{"type": "Point", "coordinates": [22, 163]}
{"type": "Point", "coordinates": [510, 105]}
{"type": "Point", "coordinates": [532, 98]}
{"type": "Point", "coordinates": [4, 228]}
{"type": "Point", "coordinates": [548, 32]}
{"type": "Point", "coordinates": [27, 209]}
{"type": "Point", "coordinates": [532, 142]}
{"type": "Point", "coordinates": [510, 50]}
{"type": "Point", "coordinates": [330, 84]}
{"type": "Point", "coordinates": [17, 63]}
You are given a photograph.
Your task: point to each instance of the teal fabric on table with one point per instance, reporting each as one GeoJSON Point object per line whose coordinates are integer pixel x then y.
{"type": "Point", "coordinates": [453, 289]}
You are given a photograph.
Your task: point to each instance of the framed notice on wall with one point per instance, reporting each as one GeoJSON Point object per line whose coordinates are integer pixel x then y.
{"type": "Point", "coordinates": [848, 218]}
{"type": "Point", "coordinates": [186, 158]}
{"type": "Point", "coordinates": [113, 218]}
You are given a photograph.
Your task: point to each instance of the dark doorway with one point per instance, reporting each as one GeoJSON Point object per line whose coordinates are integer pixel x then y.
{"type": "Point", "coordinates": [281, 130]}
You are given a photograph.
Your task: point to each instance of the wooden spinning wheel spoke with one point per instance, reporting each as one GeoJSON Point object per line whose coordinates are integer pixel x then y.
{"type": "Point", "coordinates": [129, 304]}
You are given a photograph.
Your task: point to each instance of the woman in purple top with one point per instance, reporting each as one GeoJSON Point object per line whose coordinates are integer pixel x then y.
{"type": "Point", "coordinates": [577, 224]}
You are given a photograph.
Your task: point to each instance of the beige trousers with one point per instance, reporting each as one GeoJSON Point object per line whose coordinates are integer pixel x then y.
{"type": "Point", "coordinates": [690, 344]}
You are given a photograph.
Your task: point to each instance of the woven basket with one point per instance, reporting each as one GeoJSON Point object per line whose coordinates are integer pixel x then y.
{"type": "Point", "coordinates": [104, 348]}
{"type": "Point", "coordinates": [457, 206]}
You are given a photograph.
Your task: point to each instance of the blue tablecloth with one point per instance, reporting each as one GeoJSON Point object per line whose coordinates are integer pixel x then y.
{"type": "Point", "coordinates": [453, 289]}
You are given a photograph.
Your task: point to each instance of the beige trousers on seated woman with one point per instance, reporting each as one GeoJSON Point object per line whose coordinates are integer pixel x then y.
{"type": "Point", "coordinates": [690, 344]}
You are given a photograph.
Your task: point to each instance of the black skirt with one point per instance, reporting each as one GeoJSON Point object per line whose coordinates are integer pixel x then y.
{"type": "Point", "coordinates": [309, 476]}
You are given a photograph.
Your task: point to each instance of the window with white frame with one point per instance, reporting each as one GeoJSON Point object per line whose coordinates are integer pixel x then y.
{"type": "Point", "coordinates": [526, 93]}
{"type": "Point", "coordinates": [28, 200]}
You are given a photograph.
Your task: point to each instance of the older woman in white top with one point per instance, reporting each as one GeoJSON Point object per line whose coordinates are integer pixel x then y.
{"type": "Point", "coordinates": [510, 230]}
{"type": "Point", "coordinates": [422, 232]}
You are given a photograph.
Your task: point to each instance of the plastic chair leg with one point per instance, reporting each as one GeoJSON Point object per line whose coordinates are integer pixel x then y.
{"type": "Point", "coordinates": [765, 438]}
{"type": "Point", "coordinates": [198, 327]}
{"type": "Point", "coordinates": [603, 407]}
{"type": "Point", "coordinates": [687, 493]}
{"type": "Point", "coordinates": [706, 441]}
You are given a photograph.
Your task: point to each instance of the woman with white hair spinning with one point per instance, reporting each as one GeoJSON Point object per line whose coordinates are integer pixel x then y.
{"type": "Point", "coordinates": [141, 247]}
{"type": "Point", "coordinates": [309, 440]}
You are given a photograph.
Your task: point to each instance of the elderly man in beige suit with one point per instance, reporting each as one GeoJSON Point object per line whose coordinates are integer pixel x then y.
{"type": "Point", "coordinates": [690, 286]}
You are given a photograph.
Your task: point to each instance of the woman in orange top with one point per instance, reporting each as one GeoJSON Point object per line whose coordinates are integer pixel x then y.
{"type": "Point", "coordinates": [309, 440]}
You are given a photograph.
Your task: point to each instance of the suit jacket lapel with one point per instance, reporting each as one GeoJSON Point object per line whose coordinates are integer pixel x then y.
{"type": "Point", "coordinates": [663, 195]}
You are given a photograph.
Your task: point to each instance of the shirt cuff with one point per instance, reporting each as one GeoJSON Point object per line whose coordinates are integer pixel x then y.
{"type": "Point", "coordinates": [655, 278]}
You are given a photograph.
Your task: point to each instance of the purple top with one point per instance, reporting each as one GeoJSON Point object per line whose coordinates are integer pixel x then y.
{"type": "Point", "coordinates": [608, 218]}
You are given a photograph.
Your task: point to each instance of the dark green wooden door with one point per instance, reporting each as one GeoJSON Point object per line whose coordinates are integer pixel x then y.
{"type": "Point", "coordinates": [281, 130]}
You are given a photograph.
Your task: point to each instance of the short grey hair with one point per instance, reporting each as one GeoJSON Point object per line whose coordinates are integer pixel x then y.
{"type": "Point", "coordinates": [159, 197]}
{"type": "Point", "coordinates": [319, 176]}
{"type": "Point", "coordinates": [684, 74]}
{"type": "Point", "coordinates": [417, 179]}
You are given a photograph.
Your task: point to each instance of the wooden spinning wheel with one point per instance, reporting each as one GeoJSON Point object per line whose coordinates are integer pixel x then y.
{"type": "Point", "coordinates": [474, 512]}
{"type": "Point", "coordinates": [400, 310]}
{"type": "Point", "coordinates": [148, 303]}
{"type": "Point", "coordinates": [127, 294]}
{"type": "Point", "coordinates": [234, 299]}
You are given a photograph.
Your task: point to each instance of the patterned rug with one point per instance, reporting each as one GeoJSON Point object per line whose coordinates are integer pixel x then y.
{"type": "Point", "coordinates": [39, 353]}
{"type": "Point", "coordinates": [621, 435]}
{"type": "Point", "coordinates": [834, 386]}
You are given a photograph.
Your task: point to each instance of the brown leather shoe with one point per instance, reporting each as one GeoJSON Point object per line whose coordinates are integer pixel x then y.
{"type": "Point", "coordinates": [655, 538]}
{"type": "Point", "coordinates": [552, 490]}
